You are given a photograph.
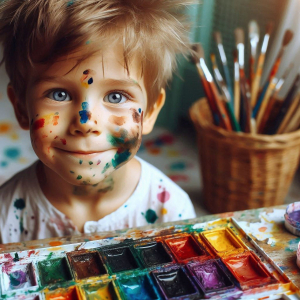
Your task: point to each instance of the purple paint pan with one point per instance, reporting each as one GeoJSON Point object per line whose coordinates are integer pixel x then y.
{"type": "Point", "coordinates": [17, 276]}
{"type": "Point", "coordinates": [292, 218]}
{"type": "Point", "coordinates": [174, 283]}
{"type": "Point", "coordinates": [211, 276]}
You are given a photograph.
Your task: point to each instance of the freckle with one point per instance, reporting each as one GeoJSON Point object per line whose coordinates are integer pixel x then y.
{"type": "Point", "coordinates": [96, 122]}
{"type": "Point", "coordinates": [88, 131]}
{"type": "Point", "coordinates": [56, 137]}
{"type": "Point", "coordinates": [48, 149]}
{"type": "Point", "coordinates": [37, 115]}
{"type": "Point", "coordinates": [50, 131]}
{"type": "Point", "coordinates": [44, 136]}
{"type": "Point", "coordinates": [72, 172]}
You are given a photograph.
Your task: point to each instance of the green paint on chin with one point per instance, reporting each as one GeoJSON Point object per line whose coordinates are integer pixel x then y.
{"type": "Point", "coordinates": [120, 157]}
{"type": "Point", "coordinates": [79, 177]}
{"type": "Point", "coordinates": [80, 161]}
{"type": "Point", "coordinates": [122, 140]}
{"type": "Point", "coordinates": [90, 162]}
{"type": "Point", "coordinates": [106, 167]}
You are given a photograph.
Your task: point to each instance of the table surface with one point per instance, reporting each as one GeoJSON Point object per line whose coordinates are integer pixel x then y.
{"type": "Point", "coordinates": [264, 225]}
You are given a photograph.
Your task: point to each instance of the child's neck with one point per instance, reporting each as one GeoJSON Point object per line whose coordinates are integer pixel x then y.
{"type": "Point", "coordinates": [89, 203]}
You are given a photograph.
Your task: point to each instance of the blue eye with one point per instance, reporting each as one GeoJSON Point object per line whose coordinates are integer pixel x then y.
{"type": "Point", "coordinates": [59, 95]}
{"type": "Point", "coordinates": [115, 97]}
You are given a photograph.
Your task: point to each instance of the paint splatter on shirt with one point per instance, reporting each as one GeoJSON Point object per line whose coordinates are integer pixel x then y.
{"type": "Point", "coordinates": [26, 214]}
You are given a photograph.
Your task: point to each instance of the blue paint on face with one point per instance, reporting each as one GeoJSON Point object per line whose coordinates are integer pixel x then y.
{"type": "Point", "coordinates": [84, 114]}
{"type": "Point", "coordinates": [140, 110]}
{"type": "Point", "coordinates": [90, 81]}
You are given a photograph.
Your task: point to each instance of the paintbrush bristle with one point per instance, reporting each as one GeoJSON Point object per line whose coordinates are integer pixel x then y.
{"type": "Point", "coordinates": [239, 36]}
{"type": "Point", "coordinates": [218, 37]}
{"type": "Point", "coordinates": [253, 30]}
{"type": "Point", "coordinates": [269, 28]}
{"type": "Point", "coordinates": [288, 36]}
{"type": "Point", "coordinates": [197, 52]}
{"type": "Point", "coordinates": [213, 58]}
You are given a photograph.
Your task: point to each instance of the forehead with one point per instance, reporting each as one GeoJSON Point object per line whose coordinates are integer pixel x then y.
{"type": "Point", "coordinates": [107, 64]}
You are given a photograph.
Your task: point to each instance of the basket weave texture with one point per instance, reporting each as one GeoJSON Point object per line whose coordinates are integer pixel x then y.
{"type": "Point", "coordinates": [243, 171]}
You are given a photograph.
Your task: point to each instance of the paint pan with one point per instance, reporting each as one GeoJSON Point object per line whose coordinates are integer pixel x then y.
{"type": "Point", "coordinates": [63, 294]}
{"type": "Point", "coordinates": [86, 264]}
{"type": "Point", "coordinates": [248, 270]}
{"type": "Point", "coordinates": [153, 254]}
{"type": "Point", "coordinates": [223, 242]}
{"type": "Point", "coordinates": [101, 291]}
{"type": "Point", "coordinates": [211, 276]}
{"type": "Point", "coordinates": [138, 287]}
{"type": "Point", "coordinates": [185, 247]}
{"type": "Point", "coordinates": [174, 283]}
{"type": "Point", "coordinates": [119, 259]}
{"type": "Point", "coordinates": [292, 218]}
{"type": "Point", "coordinates": [17, 276]}
{"type": "Point", "coordinates": [53, 271]}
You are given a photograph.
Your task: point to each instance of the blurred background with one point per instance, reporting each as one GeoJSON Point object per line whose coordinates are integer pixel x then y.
{"type": "Point", "coordinates": [172, 145]}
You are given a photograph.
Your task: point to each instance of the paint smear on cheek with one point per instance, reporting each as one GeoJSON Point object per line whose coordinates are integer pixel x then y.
{"type": "Point", "coordinates": [64, 142]}
{"type": "Point", "coordinates": [84, 114]}
{"type": "Point", "coordinates": [117, 120]}
{"type": "Point", "coordinates": [38, 124]}
{"type": "Point", "coordinates": [136, 117]}
{"type": "Point", "coordinates": [55, 120]}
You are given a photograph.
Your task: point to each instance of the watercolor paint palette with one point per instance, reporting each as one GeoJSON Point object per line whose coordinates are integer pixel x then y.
{"type": "Point", "coordinates": [215, 260]}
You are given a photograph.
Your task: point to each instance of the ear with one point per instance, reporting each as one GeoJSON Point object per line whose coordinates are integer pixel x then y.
{"type": "Point", "coordinates": [19, 107]}
{"type": "Point", "coordinates": [151, 116]}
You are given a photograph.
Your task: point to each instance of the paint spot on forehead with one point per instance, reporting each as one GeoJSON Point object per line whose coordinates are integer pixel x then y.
{"type": "Point", "coordinates": [117, 120]}
{"type": "Point", "coordinates": [135, 116]}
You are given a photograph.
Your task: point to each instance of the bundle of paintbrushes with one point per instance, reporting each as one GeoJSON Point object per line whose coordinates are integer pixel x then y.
{"type": "Point", "coordinates": [244, 104]}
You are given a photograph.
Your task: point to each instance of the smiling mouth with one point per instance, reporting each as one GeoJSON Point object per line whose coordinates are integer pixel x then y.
{"type": "Point", "coordinates": [82, 154]}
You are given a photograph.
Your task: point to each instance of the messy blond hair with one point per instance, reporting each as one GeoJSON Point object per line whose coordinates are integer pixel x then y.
{"type": "Point", "coordinates": [43, 31]}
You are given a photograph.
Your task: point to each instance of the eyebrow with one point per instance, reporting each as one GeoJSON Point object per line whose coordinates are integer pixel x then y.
{"type": "Point", "coordinates": [107, 81]}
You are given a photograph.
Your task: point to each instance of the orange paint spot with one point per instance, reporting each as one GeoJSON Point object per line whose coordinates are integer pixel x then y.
{"type": "Point", "coordinates": [56, 137]}
{"type": "Point", "coordinates": [55, 120]}
{"type": "Point", "coordinates": [49, 150]}
{"type": "Point", "coordinates": [4, 127]}
{"type": "Point", "coordinates": [55, 243]}
{"type": "Point", "coordinates": [154, 151]}
{"type": "Point", "coordinates": [164, 211]}
{"type": "Point", "coordinates": [44, 136]}
{"type": "Point", "coordinates": [262, 229]}
{"type": "Point", "coordinates": [14, 136]}
{"type": "Point", "coordinates": [50, 131]}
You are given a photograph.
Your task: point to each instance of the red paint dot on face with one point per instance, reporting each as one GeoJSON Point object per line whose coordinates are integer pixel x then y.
{"type": "Point", "coordinates": [63, 141]}
{"type": "Point", "coordinates": [56, 137]}
{"type": "Point", "coordinates": [38, 124]}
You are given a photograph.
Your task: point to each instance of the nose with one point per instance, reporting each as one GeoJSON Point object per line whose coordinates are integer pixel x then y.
{"type": "Point", "coordinates": [84, 124]}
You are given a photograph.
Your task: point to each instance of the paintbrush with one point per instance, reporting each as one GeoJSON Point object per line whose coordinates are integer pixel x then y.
{"type": "Point", "coordinates": [224, 91]}
{"type": "Point", "coordinates": [260, 64]}
{"type": "Point", "coordinates": [285, 106]}
{"type": "Point", "coordinates": [245, 91]}
{"type": "Point", "coordinates": [237, 90]}
{"type": "Point", "coordinates": [292, 110]}
{"type": "Point", "coordinates": [254, 39]}
{"type": "Point", "coordinates": [285, 41]}
{"type": "Point", "coordinates": [266, 114]}
{"type": "Point", "coordinates": [198, 56]}
{"type": "Point", "coordinates": [218, 39]}
{"type": "Point", "coordinates": [294, 123]}
{"type": "Point", "coordinates": [206, 87]}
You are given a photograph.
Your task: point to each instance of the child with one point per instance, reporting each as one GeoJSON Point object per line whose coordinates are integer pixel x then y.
{"type": "Point", "coordinates": [87, 79]}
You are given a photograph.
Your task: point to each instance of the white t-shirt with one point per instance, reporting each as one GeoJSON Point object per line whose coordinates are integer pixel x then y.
{"type": "Point", "coordinates": [26, 214]}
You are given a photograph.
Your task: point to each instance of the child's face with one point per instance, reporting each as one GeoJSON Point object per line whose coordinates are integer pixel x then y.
{"type": "Point", "coordinates": [86, 123]}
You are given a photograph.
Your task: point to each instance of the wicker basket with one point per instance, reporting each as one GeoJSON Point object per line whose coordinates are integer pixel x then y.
{"type": "Point", "coordinates": [242, 171]}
